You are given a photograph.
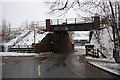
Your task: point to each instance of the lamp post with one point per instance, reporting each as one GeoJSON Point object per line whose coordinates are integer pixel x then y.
{"type": "Point", "coordinates": [34, 36]}
{"type": "Point", "coordinates": [34, 26]}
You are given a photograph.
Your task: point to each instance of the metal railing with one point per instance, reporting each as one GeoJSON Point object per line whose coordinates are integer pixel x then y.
{"type": "Point", "coordinates": [39, 24]}
{"type": "Point", "coordinates": [42, 24]}
{"type": "Point", "coordinates": [22, 48]}
{"type": "Point", "coordinates": [71, 20]}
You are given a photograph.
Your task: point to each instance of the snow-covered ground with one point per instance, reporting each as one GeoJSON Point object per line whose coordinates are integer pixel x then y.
{"type": "Point", "coordinates": [105, 37]}
{"type": "Point", "coordinates": [81, 35]}
{"type": "Point", "coordinates": [17, 54]}
{"type": "Point", "coordinates": [26, 39]}
{"type": "Point", "coordinates": [111, 60]}
{"type": "Point", "coordinates": [107, 64]}
{"type": "Point", "coordinates": [13, 41]}
{"type": "Point", "coordinates": [79, 47]}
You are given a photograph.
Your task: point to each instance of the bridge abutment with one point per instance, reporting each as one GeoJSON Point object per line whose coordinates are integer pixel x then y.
{"type": "Point", "coordinates": [62, 42]}
{"type": "Point", "coordinates": [55, 42]}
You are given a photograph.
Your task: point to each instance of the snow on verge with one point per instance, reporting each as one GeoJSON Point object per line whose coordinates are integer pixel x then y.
{"type": "Point", "coordinates": [105, 37]}
{"type": "Point", "coordinates": [110, 60]}
{"type": "Point", "coordinates": [79, 47]}
{"type": "Point", "coordinates": [105, 64]}
{"type": "Point", "coordinates": [29, 39]}
{"type": "Point", "coordinates": [13, 41]}
{"type": "Point", "coordinates": [16, 54]}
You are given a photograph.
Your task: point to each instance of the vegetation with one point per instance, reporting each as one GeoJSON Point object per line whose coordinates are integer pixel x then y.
{"type": "Point", "coordinates": [107, 10]}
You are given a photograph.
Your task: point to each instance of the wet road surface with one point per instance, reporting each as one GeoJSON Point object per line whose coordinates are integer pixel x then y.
{"type": "Point", "coordinates": [67, 66]}
{"type": "Point", "coordinates": [78, 65]}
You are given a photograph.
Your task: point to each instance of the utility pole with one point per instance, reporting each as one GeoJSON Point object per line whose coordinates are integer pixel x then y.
{"type": "Point", "coordinates": [34, 38]}
{"type": "Point", "coordinates": [33, 28]}
{"type": "Point", "coordinates": [9, 30]}
{"type": "Point", "coordinates": [9, 27]}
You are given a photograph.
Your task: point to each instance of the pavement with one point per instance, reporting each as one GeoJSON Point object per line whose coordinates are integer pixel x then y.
{"type": "Point", "coordinates": [78, 65]}
{"type": "Point", "coordinates": [75, 63]}
{"type": "Point", "coordinates": [106, 64]}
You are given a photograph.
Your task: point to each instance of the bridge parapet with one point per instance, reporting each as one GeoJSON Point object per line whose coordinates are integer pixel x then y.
{"type": "Point", "coordinates": [39, 24]}
{"type": "Point", "coordinates": [77, 24]}
{"type": "Point", "coordinates": [74, 24]}
{"type": "Point", "coordinates": [72, 20]}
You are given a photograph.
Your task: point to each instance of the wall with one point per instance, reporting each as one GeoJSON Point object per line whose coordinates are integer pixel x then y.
{"type": "Point", "coordinates": [56, 42]}
{"type": "Point", "coordinates": [45, 45]}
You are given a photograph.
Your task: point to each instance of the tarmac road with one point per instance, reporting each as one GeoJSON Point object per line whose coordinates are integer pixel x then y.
{"type": "Point", "coordinates": [71, 65]}
{"type": "Point", "coordinates": [77, 64]}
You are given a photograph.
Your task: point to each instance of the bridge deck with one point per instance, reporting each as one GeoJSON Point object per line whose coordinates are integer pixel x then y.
{"type": "Point", "coordinates": [70, 24]}
{"type": "Point", "coordinates": [73, 27]}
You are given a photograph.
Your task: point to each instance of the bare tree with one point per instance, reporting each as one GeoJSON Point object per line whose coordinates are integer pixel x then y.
{"type": "Point", "coordinates": [5, 30]}
{"type": "Point", "coordinates": [103, 8]}
{"type": "Point", "coordinates": [92, 7]}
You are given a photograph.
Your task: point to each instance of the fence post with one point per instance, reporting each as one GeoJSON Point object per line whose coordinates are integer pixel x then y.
{"type": "Point", "coordinates": [2, 48]}
{"type": "Point", "coordinates": [75, 20]}
{"type": "Point", "coordinates": [27, 48]}
{"type": "Point", "coordinates": [48, 27]}
{"type": "Point", "coordinates": [18, 48]}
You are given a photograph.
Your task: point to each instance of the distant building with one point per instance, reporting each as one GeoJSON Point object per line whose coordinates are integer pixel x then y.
{"type": "Point", "coordinates": [81, 38]}
{"type": "Point", "coordinates": [2, 36]}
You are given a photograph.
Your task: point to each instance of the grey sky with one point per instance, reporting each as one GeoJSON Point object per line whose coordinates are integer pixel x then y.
{"type": "Point", "coordinates": [0, 10]}
{"type": "Point", "coordinates": [20, 11]}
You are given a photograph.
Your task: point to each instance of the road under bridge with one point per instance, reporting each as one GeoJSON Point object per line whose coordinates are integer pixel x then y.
{"type": "Point", "coordinates": [58, 39]}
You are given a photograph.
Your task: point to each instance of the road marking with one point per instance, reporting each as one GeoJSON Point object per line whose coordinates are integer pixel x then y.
{"type": "Point", "coordinates": [38, 70]}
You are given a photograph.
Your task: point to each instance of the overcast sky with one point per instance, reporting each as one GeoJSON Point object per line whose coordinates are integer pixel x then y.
{"type": "Point", "coordinates": [18, 11]}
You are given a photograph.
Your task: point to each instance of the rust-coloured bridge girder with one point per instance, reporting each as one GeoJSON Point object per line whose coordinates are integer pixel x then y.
{"type": "Point", "coordinates": [59, 40]}
{"type": "Point", "coordinates": [94, 24]}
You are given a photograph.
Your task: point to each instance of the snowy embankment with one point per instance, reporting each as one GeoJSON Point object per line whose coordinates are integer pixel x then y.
{"type": "Point", "coordinates": [26, 39]}
{"type": "Point", "coordinates": [29, 39]}
{"type": "Point", "coordinates": [15, 40]}
{"type": "Point", "coordinates": [17, 54]}
{"type": "Point", "coordinates": [106, 64]}
{"type": "Point", "coordinates": [102, 39]}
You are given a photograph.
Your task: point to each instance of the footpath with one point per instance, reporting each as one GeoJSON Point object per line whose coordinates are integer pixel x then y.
{"type": "Point", "coordinates": [106, 64]}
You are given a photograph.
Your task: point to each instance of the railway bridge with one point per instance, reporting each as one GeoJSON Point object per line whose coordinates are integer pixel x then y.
{"type": "Point", "coordinates": [58, 39]}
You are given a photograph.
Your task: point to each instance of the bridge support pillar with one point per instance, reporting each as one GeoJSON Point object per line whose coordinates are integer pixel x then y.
{"type": "Point", "coordinates": [62, 42]}
{"type": "Point", "coordinates": [48, 27]}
